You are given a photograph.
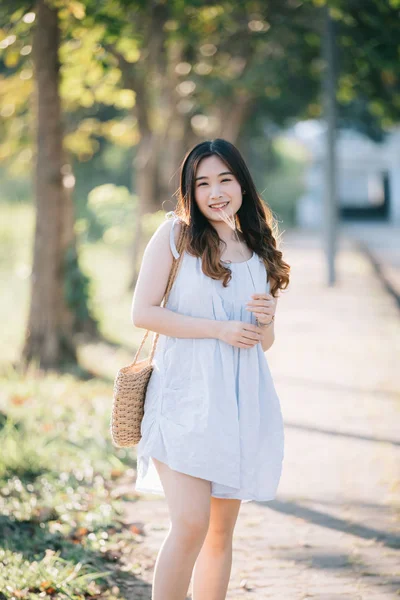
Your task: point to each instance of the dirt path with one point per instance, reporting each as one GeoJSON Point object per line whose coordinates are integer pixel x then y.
{"type": "Point", "coordinates": [333, 530]}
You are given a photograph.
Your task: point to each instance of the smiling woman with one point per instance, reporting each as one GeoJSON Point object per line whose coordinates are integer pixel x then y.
{"type": "Point", "coordinates": [212, 430]}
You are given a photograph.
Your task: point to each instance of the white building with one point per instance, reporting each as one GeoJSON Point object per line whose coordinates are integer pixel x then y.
{"type": "Point", "coordinates": [368, 175]}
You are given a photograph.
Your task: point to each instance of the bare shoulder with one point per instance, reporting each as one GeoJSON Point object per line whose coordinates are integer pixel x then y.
{"type": "Point", "coordinates": [160, 240]}
{"type": "Point", "coordinates": [163, 229]}
{"type": "Point", "coordinates": [159, 246]}
{"type": "Point", "coordinates": [176, 224]}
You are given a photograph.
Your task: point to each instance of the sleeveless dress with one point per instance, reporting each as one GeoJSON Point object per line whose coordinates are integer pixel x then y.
{"type": "Point", "coordinates": [211, 409]}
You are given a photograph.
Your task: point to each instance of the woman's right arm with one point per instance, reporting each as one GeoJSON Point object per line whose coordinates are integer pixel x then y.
{"type": "Point", "coordinates": [150, 288]}
{"type": "Point", "coordinates": [149, 292]}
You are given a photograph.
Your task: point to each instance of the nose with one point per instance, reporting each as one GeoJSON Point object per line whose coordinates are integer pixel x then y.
{"type": "Point", "coordinates": [215, 192]}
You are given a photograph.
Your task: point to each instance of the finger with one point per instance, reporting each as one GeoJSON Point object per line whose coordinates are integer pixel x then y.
{"type": "Point", "coordinates": [262, 296]}
{"type": "Point", "coordinates": [261, 301]}
{"type": "Point", "coordinates": [249, 341]}
{"type": "Point", "coordinates": [264, 311]}
{"type": "Point", "coordinates": [244, 346]}
{"type": "Point", "coordinates": [251, 327]}
{"type": "Point", "coordinates": [257, 303]}
{"type": "Point", "coordinates": [247, 345]}
{"type": "Point", "coordinates": [250, 336]}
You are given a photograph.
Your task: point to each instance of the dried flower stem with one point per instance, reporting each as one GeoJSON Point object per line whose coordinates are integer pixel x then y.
{"type": "Point", "coordinates": [231, 221]}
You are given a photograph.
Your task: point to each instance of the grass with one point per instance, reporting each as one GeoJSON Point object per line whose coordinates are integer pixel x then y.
{"type": "Point", "coordinates": [62, 528]}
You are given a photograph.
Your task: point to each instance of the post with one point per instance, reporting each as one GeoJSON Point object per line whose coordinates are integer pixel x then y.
{"type": "Point", "coordinates": [330, 194]}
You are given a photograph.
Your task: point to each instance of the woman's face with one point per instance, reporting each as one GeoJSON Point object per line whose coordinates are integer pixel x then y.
{"type": "Point", "coordinates": [216, 185]}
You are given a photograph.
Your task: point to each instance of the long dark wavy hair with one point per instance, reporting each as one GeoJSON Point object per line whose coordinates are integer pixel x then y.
{"type": "Point", "coordinates": [254, 219]}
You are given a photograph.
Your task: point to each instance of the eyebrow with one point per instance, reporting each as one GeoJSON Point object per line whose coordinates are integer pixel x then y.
{"type": "Point", "coordinates": [219, 175]}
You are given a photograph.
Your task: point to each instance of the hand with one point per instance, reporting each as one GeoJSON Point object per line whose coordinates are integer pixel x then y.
{"type": "Point", "coordinates": [239, 333]}
{"type": "Point", "coordinates": [263, 306]}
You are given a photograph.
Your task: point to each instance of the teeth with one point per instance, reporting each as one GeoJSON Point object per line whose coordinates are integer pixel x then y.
{"type": "Point", "coordinates": [218, 205]}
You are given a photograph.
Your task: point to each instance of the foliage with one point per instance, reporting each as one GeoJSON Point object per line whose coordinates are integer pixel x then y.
{"type": "Point", "coordinates": [151, 221]}
{"type": "Point", "coordinates": [197, 63]}
{"type": "Point", "coordinates": [52, 576]}
{"type": "Point", "coordinates": [77, 290]}
{"type": "Point", "coordinates": [284, 184]}
{"type": "Point", "coordinates": [107, 265]}
{"type": "Point", "coordinates": [113, 209]}
{"type": "Point", "coordinates": [61, 511]}
{"type": "Point", "coordinates": [88, 84]}
{"type": "Point", "coordinates": [60, 525]}
{"type": "Point", "coordinates": [16, 232]}
{"type": "Point", "coordinates": [22, 455]}
{"type": "Point", "coordinates": [200, 57]}
{"type": "Point", "coordinates": [367, 55]}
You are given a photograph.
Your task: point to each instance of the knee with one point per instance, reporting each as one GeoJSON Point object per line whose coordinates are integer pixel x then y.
{"type": "Point", "coordinates": [191, 529]}
{"type": "Point", "coordinates": [219, 539]}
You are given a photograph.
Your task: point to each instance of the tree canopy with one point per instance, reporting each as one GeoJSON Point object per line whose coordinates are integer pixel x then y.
{"type": "Point", "coordinates": [196, 69]}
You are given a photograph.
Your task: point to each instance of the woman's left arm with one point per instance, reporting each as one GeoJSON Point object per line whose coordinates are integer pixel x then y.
{"type": "Point", "coordinates": [264, 307]}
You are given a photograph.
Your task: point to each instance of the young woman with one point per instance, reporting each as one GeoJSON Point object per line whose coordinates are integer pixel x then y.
{"type": "Point", "coordinates": [212, 432]}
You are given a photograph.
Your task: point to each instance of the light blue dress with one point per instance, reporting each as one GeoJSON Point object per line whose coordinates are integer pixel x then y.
{"type": "Point", "coordinates": [211, 409]}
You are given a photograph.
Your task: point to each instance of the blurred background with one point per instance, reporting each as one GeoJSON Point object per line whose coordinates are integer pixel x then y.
{"type": "Point", "coordinates": [99, 102]}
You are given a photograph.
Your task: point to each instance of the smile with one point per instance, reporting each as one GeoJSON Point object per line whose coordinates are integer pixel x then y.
{"type": "Point", "coordinates": [219, 205]}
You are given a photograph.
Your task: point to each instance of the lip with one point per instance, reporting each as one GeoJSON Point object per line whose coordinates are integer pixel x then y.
{"type": "Point", "coordinates": [220, 207]}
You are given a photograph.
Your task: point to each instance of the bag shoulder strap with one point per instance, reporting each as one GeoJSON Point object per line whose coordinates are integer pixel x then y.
{"type": "Point", "coordinates": [172, 276]}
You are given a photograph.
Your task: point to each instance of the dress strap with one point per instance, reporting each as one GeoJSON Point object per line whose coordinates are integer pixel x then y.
{"type": "Point", "coordinates": [172, 238]}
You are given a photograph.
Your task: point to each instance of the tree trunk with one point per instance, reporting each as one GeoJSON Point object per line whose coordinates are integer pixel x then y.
{"type": "Point", "coordinates": [49, 333]}
{"type": "Point", "coordinates": [146, 178]}
{"type": "Point", "coordinates": [233, 119]}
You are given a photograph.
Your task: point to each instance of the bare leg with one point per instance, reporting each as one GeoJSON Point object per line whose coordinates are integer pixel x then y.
{"type": "Point", "coordinates": [188, 500]}
{"type": "Point", "coordinates": [213, 565]}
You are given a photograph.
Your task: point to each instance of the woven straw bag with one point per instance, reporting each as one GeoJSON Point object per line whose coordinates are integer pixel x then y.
{"type": "Point", "coordinates": [131, 382]}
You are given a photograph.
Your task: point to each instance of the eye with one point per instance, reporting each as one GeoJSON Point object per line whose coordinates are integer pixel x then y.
{"type": "Point", "coordinates": [226, 180]}
{"type": "Point", "coordinates": [202, 183]}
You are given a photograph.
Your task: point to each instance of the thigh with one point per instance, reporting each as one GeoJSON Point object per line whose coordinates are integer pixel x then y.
{"type": "Point", "coordinates": [223, 517]}
{"type": "Point", "coordinates": [188, 497]}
